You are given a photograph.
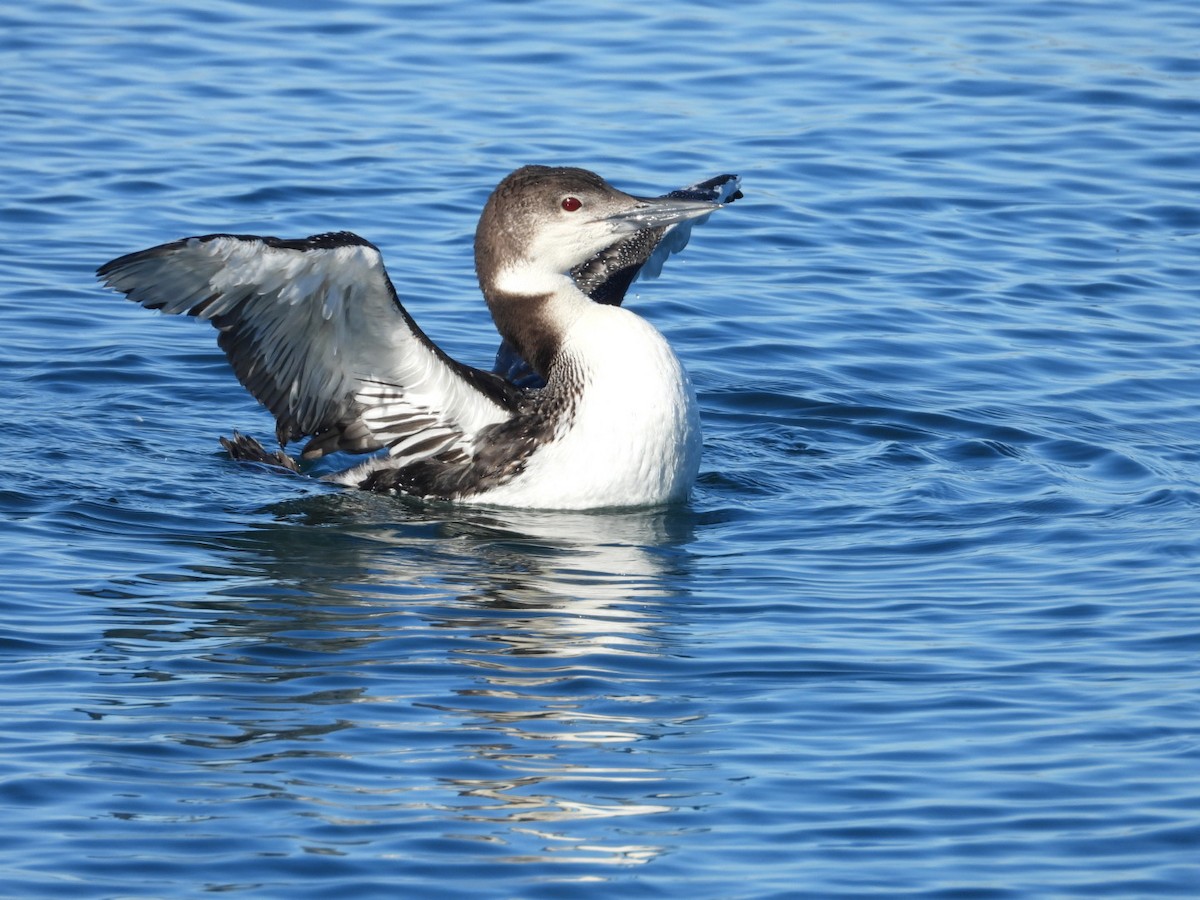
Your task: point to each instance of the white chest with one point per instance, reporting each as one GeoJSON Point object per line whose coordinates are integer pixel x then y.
{"type": "Point", "coordinates": [634, 438]}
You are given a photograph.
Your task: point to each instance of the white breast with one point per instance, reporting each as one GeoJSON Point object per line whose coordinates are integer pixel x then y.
{"type": "Point", "coordinates": [634, 438]}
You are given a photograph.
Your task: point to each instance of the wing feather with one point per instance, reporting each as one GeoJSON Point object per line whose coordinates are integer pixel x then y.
{"type": "Point", "coordinates": [313, 328]}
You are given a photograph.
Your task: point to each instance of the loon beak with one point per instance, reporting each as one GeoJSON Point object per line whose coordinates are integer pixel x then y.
{"type": "Point", "coordinates": [659, 212]}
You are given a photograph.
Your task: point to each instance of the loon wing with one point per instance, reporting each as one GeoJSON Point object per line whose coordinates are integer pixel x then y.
{"type": "Point", "coordinates": [607, 276]}
{"type": "Point", "coordinates": [315, 331]}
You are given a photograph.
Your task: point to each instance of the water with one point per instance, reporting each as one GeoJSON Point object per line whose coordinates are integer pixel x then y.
{"type": "Point", "coordinates": [929, 625]}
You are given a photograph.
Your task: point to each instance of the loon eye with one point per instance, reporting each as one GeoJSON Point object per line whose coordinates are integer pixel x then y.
{"type": "Point", "coordinates": [570, 204]}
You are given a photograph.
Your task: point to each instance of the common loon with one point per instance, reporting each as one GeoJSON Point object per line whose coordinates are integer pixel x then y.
{"type": "Point", "coordinates": [588, 407]}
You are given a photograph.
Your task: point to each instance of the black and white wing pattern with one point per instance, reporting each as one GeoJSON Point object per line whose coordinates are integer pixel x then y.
{"type": "Point", "coordinates": [606, 277]}
{"type": "Point", "coordinates": [314, 330]}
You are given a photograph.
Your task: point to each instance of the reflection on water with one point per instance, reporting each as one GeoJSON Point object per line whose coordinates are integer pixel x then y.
{"type": "Point", "coordinates": [506, 671]}
{"type": "Point", "coordinates": [936, 632]}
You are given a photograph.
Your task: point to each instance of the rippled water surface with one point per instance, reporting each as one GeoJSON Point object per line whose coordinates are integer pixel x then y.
{"type": "Point", "coordinates": [929, 626]}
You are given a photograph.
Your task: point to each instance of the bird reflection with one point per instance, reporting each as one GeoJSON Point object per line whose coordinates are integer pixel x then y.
{"type": "Point", "coordinates": [514, 662]}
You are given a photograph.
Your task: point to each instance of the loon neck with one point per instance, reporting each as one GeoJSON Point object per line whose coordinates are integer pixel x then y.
{"type": "Point", "coordinates": [534, 314]}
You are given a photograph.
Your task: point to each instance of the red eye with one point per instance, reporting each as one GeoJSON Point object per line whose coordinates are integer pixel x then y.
{"type": "Point", "coordinates": [570, 204]}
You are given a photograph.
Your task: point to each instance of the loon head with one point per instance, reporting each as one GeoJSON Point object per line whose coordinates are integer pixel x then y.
{"type": "Point", "coordinates": [540, 222]}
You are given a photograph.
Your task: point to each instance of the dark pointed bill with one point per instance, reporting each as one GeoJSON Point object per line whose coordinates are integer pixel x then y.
{"type": "Point", "coordinates": [658, 212]}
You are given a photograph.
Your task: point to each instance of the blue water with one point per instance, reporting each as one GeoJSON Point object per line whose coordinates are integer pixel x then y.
{"type": "Point", "coordinates": [930, 624]}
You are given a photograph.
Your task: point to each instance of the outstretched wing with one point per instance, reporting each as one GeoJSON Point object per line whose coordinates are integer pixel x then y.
{"type": "Point", "coordinates": [607, 276]}
{"type": "Point", "coordinates": [314, 330]}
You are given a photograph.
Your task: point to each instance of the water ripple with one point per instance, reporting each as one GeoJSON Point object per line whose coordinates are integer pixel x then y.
{"type": "Point", "coordinates": [927, 627]}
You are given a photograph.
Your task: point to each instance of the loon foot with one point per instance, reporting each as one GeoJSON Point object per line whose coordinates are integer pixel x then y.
{"type": "Point", "coordinates": [244, 448]}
